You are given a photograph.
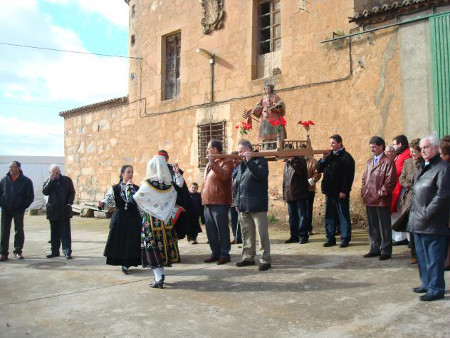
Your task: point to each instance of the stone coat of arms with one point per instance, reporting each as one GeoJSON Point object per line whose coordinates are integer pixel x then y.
{"type": "Point", "coordinates": [213, 15]}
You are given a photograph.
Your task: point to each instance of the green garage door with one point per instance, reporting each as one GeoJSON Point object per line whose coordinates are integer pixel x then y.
{"type": "Point", "coordinates": [440, 53]}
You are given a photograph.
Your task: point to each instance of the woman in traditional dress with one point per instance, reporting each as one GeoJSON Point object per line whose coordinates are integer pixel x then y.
{"type": "Point", "coordinates": [157, 197]}
{"type": "Point", "coordinates": [123, 244]}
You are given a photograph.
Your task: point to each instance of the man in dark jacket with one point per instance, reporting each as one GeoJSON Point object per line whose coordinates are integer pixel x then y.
{"type": "Point", "coordinates": [295, 193]}
{"type": "Point", "coordinates": [378, 182]}
{"type": "Point", "coordinates": [16, 194]}
{"type": "Point", "coordinates": [429, 219]}
{"type": "Point", "coordinates": [61, 193]}
{"type": "Point", "coordinates": [252, 201]}
{"type": "Point", "coordinates": [338, 169]}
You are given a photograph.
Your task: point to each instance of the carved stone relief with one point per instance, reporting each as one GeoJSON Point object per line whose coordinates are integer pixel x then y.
{"type": "Point", "coordinates": [213, 15]}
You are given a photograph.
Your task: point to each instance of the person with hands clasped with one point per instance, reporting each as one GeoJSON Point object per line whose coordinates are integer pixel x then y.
{"type": "Point", "coordinates": [61, 193]}
{"type": "Point", "coordinates": [123, 246]}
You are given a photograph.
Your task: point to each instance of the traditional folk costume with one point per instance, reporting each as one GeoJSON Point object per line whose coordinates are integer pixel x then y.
{"type": "Point", "coordinates": [157, 197]}
{"type": "Point", "coordinates": [123, 244]}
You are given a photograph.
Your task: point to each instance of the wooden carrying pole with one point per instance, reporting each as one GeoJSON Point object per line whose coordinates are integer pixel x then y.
{"type": "Point", "coordinates": [279, 154]}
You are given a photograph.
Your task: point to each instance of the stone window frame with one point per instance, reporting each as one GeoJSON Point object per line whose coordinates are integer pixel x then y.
{"type": "Point", "coordinates": [206, 133]}
{"type": "Point", "coordinates": [171, 62]}
{"type": "Point", "coordinates": [269, 26]}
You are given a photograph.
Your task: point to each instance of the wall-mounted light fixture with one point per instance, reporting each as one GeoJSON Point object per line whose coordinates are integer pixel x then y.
{"type": "Point", "coordinates": [211, 57]}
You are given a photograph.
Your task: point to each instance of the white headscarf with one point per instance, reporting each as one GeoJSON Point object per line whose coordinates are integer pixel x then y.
{"type": "Point", "coordinates": [157, 169]}
{"type": "Point", "coordinates": [158, 203]}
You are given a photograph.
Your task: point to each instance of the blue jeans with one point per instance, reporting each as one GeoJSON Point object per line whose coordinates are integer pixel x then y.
{"type": "Point", "coordinates": [310, 209]}
{"type": "Point", "coordinates": [217, 230]}
{"type": "Point", "coordinates": [337, 214]}
{"type": "Point", "coordinates": [431, 252]}
{"type": "Point", "coordinates": [298, 219]}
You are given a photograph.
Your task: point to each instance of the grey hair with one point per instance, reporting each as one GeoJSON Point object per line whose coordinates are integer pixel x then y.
{"type": "Point", "coordinates": [54, 166]}
{"type": "Point", "coordinates": [245, 143]}
{"type": "Point", "coordinates": [434, 141]}
{"type": "Point", "coordinates": [389, 147]}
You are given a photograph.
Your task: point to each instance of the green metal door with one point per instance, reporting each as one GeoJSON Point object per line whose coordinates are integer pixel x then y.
{"type": "Point", "coordinates": [440, 53]}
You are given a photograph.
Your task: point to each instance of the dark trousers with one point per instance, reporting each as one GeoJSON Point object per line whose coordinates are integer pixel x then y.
{"type": "Point", "coordinates": [431, 252]}
{"type": "Point", "coordinates": [380, 233]}
{"type": "Point", "coordinates": [337, 214]}
{"type": "Point", "coordinates": [60, 233]}
{"type": "Point", "coordinates": [298, 224]}
{"type": "Point", "coordinates": [235, 227]}
{"type": "Point", "coordinates": [309, 209]}
{"type": "Point", "coordinates": [19, 236]}
{"type": "Point", "coordinates": [217, 230]}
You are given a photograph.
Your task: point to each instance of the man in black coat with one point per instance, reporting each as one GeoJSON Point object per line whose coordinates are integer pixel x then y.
{"type": "Point", "coordinates": [250, 183]}
{"type": "Point", "coordinates": [16, 194]}
{"type": "Point", "coordinates": [338, 168]}
{"type": "Point", "coordinates": [61, 193]}
{"type": "Point", "coordinates": [429, 219]}
{"type": "Point", "coordinates": [295, 193]}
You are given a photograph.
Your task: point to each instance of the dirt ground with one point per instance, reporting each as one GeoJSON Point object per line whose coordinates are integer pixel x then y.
{"type": "Point", "coordinates": [310, 291]}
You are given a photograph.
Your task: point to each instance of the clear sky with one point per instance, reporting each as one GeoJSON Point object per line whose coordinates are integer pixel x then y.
{"type": "Point", "coordinates": [36, 84]}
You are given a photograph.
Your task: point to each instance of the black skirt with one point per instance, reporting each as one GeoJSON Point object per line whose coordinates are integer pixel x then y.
{"type": "Point", "coordinates": [123, 246]}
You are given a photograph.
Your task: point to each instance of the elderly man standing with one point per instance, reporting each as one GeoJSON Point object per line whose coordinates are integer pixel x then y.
{"type": "Point", "coordinates": [216, 198]}
{"type": "Point", "coordinates": [338, 169]}
{"type": "Point", "coordinates": [252, 201]}
{"type": "Point", "coordinates": [429, 219]}
{"type": "Point", "coordinates": [378, 182]}
{"type": "Point", "coordinates": [16, 194]}
{"type": "Point", "coordinates": [61, 193]}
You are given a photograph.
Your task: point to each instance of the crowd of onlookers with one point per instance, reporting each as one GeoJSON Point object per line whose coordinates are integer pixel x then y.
{"type": "Point", "coordinates": [405, 189]}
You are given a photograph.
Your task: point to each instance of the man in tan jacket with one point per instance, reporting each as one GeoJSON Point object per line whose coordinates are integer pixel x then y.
{"type": "Point", "coordinates": [378, 182]}
{"type": "Point", "coordinates": [216, 198]}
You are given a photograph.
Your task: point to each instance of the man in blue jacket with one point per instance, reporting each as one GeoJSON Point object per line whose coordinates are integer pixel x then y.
{"type": "Point", "coordinates": [16, 195]}
{"type": "Point", "coordinates": [251, 198]}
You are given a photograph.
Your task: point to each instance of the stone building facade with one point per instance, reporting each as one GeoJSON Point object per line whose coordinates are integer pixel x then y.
{"type": "Point", "coordinates": [198, 65]}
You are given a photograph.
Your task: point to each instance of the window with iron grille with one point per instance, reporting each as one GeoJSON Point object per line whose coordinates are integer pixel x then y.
{"type": "Point", "coordinates": [206, 133]}
{"type": "Point", "coordinates": [269, 16]}
{"type": "Point", "coordinates": [172, 66]}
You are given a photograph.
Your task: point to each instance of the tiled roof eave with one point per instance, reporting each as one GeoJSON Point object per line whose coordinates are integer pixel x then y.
{"type": "Point", "coordinates": [391, 10]}
{"type": "Point", "coordinates": [95, 106]}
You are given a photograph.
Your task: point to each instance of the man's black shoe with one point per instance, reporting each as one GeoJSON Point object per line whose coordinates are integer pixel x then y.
{"type": "Point", "coordinates": [427, 298]}
{"type": "Point", "coordinates": [384, 257]}
{"type": "Point", "coordinates": [52, 255]}
{"type": "Point", "coordinates": [343, 245]}
{"type": "Point", "coordinates": [264, 266]}
{"type": "Point", "coordinates": [303, 240]}
{"type": "Point", "coordinates": [69, 256]}
{"type": "Point", "coordinates": [328, 244]}
{"type": "Point", "coordinates": [370, 254]}
{"type": "Point", "coordinates": [419, 289]}
{"type": "Point", "coordinates": [404, 242]}
{"type": "Point", "coordinates": [291, 240]}
{"type": "Point", "coordinates": [244, 263]}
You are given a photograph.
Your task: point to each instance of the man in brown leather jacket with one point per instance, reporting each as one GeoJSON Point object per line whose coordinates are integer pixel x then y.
{"type": "Point", "coordinates": [216, 197]}
{"type": "Point", "coordinates": [378, 182]}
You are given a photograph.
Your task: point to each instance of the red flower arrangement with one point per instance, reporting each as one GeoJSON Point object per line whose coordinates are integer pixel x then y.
{"type": "Point", "coordinates": [306, 124]}
{"type": "Point", "coordinates": [244, 127]}
{"type": "Point", "coordinates": [278, 124]}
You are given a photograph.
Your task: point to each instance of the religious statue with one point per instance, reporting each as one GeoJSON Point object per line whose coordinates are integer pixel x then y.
{"type": "Point", "coordinates": [270, 111]}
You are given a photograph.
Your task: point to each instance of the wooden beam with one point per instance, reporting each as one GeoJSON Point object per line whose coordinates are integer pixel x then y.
{"type": "Point", "coordinates": [279, 154]}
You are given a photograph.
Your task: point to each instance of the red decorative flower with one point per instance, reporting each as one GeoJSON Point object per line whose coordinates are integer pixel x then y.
{"type": "Point", "coordinates": [244, 127]}
{"type": "Point", "coordinates": [306, 124]}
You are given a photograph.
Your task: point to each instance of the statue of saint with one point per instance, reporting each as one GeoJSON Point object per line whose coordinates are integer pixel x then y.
{"type": "Point", "coordinates": [269, 109]}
